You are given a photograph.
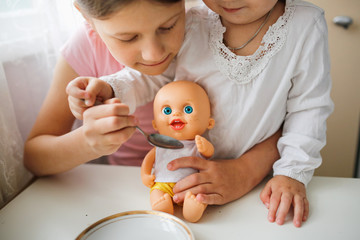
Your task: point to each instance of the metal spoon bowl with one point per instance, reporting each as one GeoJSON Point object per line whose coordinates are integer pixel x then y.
{"type": "Point", "coordinates": [162, 141]}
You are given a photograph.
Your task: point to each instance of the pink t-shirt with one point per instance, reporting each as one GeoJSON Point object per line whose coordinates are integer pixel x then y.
{"type": "Point", "coordinates": [88, 56]}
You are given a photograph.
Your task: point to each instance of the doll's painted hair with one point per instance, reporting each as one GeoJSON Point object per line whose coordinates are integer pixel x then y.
{"type": "Point", "coordinates": [102, 9]}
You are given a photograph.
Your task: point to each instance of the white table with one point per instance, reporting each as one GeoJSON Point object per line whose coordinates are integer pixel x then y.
{"type": "Point", "coordinates": [62, 206]}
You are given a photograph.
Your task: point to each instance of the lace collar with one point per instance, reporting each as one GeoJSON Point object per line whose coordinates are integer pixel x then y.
{"type": "Point", "coordinates": [243, 69]}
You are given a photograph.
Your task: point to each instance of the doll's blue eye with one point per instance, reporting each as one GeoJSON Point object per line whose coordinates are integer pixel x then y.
{"type": "Point", "coordinates": [167, 110]}
{"type": "Point", "coordinates": [188, 109]}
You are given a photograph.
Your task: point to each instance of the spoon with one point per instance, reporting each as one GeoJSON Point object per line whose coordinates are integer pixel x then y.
{"type": "Point", "coordinates": [162, 141]}
{"type": "Point", "coordinates": [156, 139]}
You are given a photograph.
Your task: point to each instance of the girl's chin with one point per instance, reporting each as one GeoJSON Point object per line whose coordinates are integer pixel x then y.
{"type": "Point", "coordinates": [151, 70]}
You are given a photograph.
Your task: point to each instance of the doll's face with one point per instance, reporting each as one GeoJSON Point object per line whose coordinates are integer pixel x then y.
{"type": "Point", "coordinates": [182, 110]}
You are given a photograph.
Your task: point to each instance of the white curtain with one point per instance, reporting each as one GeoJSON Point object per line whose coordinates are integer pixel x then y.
{"type": "Point", "coordinates": [31, 34]}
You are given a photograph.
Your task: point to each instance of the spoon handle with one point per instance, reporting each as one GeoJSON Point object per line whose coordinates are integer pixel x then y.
{"type": "Point", "coordinates": [142, 132]}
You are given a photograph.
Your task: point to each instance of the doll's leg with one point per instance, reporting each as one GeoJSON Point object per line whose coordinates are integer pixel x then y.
{"type": "Point", "coordinates": [193, 209]}
{"type": "Point", "coordinates": [161, 201]}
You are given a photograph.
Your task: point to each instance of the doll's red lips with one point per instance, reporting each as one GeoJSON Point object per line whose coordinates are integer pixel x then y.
{"type": "Point", "coordinates": [177, 124]}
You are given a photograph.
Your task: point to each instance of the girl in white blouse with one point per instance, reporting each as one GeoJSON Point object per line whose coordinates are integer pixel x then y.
{"type": "Point", "coordinates": [265, 65]}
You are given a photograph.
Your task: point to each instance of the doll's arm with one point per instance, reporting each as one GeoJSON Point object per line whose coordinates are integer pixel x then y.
{"type": "Point", "coordinates": [204, 146]}
{"type": "Point", "coordinates": [146, 168]}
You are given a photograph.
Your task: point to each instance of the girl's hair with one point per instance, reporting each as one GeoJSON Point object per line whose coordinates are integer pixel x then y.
{"type": "Point", "coordinates": [102, 9]}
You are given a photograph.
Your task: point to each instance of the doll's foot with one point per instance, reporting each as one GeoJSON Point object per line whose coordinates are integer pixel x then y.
{"type": "Point", "coordinates": [164, 204]}
{"type": "Point", "coordinates": [193, 209]}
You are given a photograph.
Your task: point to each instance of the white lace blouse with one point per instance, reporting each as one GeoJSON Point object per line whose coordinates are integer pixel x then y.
{"type": "Point", "coordinates": [285, 82]}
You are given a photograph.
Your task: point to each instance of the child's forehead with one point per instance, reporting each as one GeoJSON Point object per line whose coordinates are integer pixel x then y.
{"type": "Point", "coordinates": [141, 17]}
{"type": "Point", "coordinates": [144, 10]}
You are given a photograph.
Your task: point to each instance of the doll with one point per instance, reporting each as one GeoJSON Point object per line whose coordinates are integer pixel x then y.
{"type": "Point", "coordinates": [182, 111]}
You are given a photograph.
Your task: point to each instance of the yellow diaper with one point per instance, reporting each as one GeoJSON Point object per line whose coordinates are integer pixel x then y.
{"type": "Point", "coordinates": [165, 187]}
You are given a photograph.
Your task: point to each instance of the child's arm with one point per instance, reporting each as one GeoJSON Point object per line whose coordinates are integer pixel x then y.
{"type": "Point", "coordinates": [53, 148]}
{"type": "Point", "coordinates": [304, 130]}
{"type": "Point", "coordinates": [84, 91]}
{"type": "Point", "coordinates": [146, 168]}
{"type": "Point", "coordinates": [204, 146]}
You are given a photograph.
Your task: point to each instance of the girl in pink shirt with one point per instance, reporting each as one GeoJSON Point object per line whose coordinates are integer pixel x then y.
{"type": "Point", "coordinates": [87, 54]}
{"type": "Point", "coordinates": [100, 48]}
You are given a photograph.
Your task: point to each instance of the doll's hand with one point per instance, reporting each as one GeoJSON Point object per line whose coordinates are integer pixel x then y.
{"type": "Point", "coordinates": [84, 91]}
{"type": "Point", "coordinates": [148, 180]}
{"type": "Point", "coordinates": [204, 146]}
{"type": "Point", "coordinates": [106, 127]}
{"type": "Point", "coordinates": [279, 194]}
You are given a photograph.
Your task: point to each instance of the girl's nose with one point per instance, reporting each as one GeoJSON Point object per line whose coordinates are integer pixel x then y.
{"type": "Point", "coordinates": [153, 51]}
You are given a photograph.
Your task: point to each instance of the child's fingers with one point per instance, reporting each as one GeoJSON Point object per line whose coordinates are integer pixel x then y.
{"type": "Point", "coordinates": [195, 182]}
{"type": "Point", "coordinates": [112, 100]}
{"type": "Point", "coordinates": [94, 86]}
{"type": "Point", "coordinates": [110, 142]}
{"type": "Point", "coordinates": [299, 210]}
{"type": "Point", "coordinates": [95, 90]}
{"type": "Point", "coordinates": [76, 110]}
{"type": "Point", "coordinates": [265, 195]}
{"type": "Point", "coordinates": [76, 89]}
{"type": "Point", "coordinates": [273, 206]}
{"type": "Point", "coordinates": [77, 107]}
{"type": "Point", "coordinates": [108, 118]}
{"type": "Point", "coordinates": [306, 210]}
{"type": "Point", "coordinates": [106, 110]}
{"type": "Point", "coordinates": [286, 200]}
{"type": "Point", "coordinates": [114, 123]}
{"type": "Point", "coordinates": [77, 102]}
{"type": "Point", "coordinates": [77, 93]}
{"type": "Point", "coordinates": [209, 198]}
